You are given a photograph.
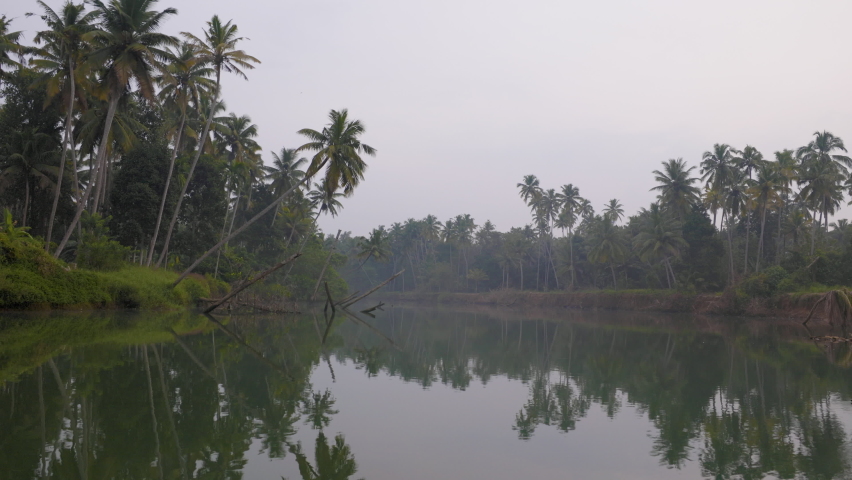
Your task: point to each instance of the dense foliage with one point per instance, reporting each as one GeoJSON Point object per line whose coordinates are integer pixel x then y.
{"type": "Point", "coordinates": [116, 147]}
{"type": "Point", "coordinates": [746, 221]}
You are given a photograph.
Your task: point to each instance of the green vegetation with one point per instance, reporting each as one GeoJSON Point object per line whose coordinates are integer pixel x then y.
{"type": "Point", "coordinates": [116, 149]}
{"type": "Point", "coordinates": [773, 235]}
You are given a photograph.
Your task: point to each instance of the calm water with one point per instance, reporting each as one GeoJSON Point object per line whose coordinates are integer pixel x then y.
{"type": "Point", "coordinates": [420, 394]}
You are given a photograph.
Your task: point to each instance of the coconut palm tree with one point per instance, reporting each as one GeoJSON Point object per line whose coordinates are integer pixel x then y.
{"type": "Point", "coordinates": [822, 184]}
{"type": "Point", "coordinates": [184, 81]}
{"type": "Point", "coordinates": [660, 238]}
{"type": "Point", "coordinates": [29, 155]}
{"type": "Point", "coordinates": [788, 168]}
{"type": "Point", "coordinates": [325, 201]}
{"type": "Point", "coordinates": [675, 186]}
{"type": "Point", "coordinates": [749, 159]}
{"type": "Point", "coordinates": [61, 63]}
{"type": "Point", "coordinates": [218, 49]}
{"type": "Point", "coordinates": [529, 189]}
{"type": "Point", "coordinates": [8, 46]}
{"type": "Point", "coordinates": [126, 41]}
{"type": "Point", "coordinates": [614, 210]}
{"type": "Point", "coordinates": [766, 189]}
{"type": "Point", "coordinates": [608, 245]}
{"type": "Point", "coordinates": [717, 169]}
{"type": "Point", "coordinates": [823, 166]}
{"type": "Point", "coordinates": [338, 149]}
{"type": "Point", "coordinates": [284, 172]}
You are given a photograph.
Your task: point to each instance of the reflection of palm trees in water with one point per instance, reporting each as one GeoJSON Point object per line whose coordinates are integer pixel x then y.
{"type": "Point", "coordinates": [333, 462]}
{"type": "Point", "coordinates": [318, 408]}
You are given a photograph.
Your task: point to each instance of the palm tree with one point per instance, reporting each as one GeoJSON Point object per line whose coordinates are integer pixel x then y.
{"type": "Point", "coordinates": [614, 210]}
{"type": "Point", "coordinates": [127, 43]}
{"type": "Point", "coordinates": [749, 160]}
{"type": "Point", "coordinates": [339, 150]}
{"type": "Point", "coordinates": [284, 172]}
{"type": "Point", "coordinates": [218, 48]}
{"type": "Point", "coordinates": [529, 189]}
{"type": "Point", "coordinates": [734, 203]}
{"type": "Point", "coordinates": [325, 201]}
{"type": "Point", "coordinates": [817, 158]}
{"type": "Point", "coordinates": [572, 204]}
{"type": "Point", "coordinates": [58, 61]}
{"type": "Point", "coordinates": [821, 189]}
{"type": "Point", "coordinates": [8, 46]}
{"type": "Point", "coordinates": [788, 171]}
{"type": "Point", "coordinates": [660, 237]}
{"type": "Point", "coordinates": [30, 154]}
{"type": "Point", "coordinates": [717, 169]}
{"type": "Point", "coordinates": [184, 81]}
{"type": "Point", "coordinates": [332, 462]}
{"type": "Point", "coordinates": [607, 244]}
{"type": "Point", "coordinates": [765, 189]}
{"type": "Point", "coordinates": [675, 186]}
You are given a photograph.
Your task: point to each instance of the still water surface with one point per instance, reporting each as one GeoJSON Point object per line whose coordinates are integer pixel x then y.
{"type": "Point", "coordinates": [420, 394]}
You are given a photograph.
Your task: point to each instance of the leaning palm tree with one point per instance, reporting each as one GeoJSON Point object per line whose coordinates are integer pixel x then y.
{"type": "Point", "coordinates": [338, 149]}
{"type": "Point", "coordinates": [677, 193]}
{"type": "Point", "coordinates": [127, 43]}
{"type": "Point", "coordinates": [219, 49]}
{"type": "Point", "coordinates": [184, 81]}
{"type": "Point", "coordinates": [62, 66]}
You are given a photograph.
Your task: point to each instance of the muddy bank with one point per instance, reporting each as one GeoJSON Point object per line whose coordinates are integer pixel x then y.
{"type": "Point", "coordinates": [785, 306]}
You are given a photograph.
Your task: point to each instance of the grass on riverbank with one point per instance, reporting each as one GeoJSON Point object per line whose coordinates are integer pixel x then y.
{"type": "Point", "coordinates": [30, 278]}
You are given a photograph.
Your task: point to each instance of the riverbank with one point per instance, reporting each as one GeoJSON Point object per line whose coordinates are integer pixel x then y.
{"type": "Point", "coordinates": [790, 305]}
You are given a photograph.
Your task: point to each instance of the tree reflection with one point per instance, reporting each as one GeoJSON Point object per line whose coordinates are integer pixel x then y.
{"type": "Point", "coordinates": [332, 462]}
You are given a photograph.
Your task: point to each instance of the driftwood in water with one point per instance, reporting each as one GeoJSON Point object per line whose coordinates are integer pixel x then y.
{"type": "Point", "coordinates": [377, 307]}
{"type": "Point", "coordinates": [369, 292]}
{"type": "Point", "coordinates": [325, 265]}
{"type": "Point", "coordinates": [251, 282]}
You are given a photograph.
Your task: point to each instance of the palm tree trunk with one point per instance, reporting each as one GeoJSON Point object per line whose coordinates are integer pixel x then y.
{"type": "Point", "coordinates": [671, 270]}
{"type": "Point", "coordinates": [244, 226]}
{"type": "Point", "coordinates": [521, 265]}
{"type": "Point", "coordinates": [760, 244]}
{"type": "Point", "coordinates": [68, 133]}
{"type": "Point", "coordinates": [89, 188]}
{"type": "Point", "coordinates": [166, 189]}
{"type": "Point", "coordinates": [200, 148]}
{"type": "Point", "coordinates": [813, 233]}
{"type": "Point", "coordinates": [725, 216]}
{"type": "Point", "coordinates": [778, 250]}
{"type": "Point", "coordinates": [571, 247]}
{"type": "Point", "coordinates": [26, 199]}
{"type": "Point", "coordinates": [748, 236]}
{"type": "Point", "coordinates": [614, 282]}
{"type": "Point", "coordinates": [324, 266]}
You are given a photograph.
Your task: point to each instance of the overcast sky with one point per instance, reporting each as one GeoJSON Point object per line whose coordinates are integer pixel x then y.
{"type": "Point", "coordinates": [463, 98]}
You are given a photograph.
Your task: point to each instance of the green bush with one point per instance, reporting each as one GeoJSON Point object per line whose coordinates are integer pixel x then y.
{"type": "Point", "coordinates": [97, 251]}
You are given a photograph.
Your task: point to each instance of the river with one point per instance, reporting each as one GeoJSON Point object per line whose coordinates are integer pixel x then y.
{"type": "Point", "coordinates": [419, 393]}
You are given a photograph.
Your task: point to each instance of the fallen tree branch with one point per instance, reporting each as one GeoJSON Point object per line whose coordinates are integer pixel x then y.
{"type": "Point", "coordinates": [356, 300]}
{"type": "Point", "coordinates": [251, 282]}
{"type": "Point", "coordinates": [377, 307]}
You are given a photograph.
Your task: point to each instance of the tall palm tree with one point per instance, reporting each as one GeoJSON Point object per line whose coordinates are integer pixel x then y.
{"type": "Point", "coordinates": [614, 210]}
{"type": "Point", "coordinates": [9, 45]}
{"type": "Point", "coordinates": [284, 172]}
{"type": "Point", "coordinates": [184, 81]}
{"type": "Point", "coordinates": [126, 41]}
{"type": "Point", "coordinates": [218, 49]}
{"type": "Point", "coordinates": [818, 159]}
{"type": "Point", "coordinates": [607, 243]}
{"type": "Point", "coordinates": [660, 238]}
{"type": "Point", "coordinates": [734, 204]}
{"type": "Point", "coordinates": [766, 189]}
{"type": "Point", "coordinates": [788, 172]}
{"type": "Point", "coordinates": [338, 149]}
{"type": "Point", "coordinates": [822, 190]}
{"type": "Point", "coordinates": [717, 169]}
{"type": "Point", "coordinates": [675, 186]}
{"type": "Point", "coordinates": [58, 61]}
{"type": "Point", "coordinates": [749, 159]}
{"type": "Point", "coordinates": [529, 189]}
{"type": "Point", "coordinates": [572, 205]}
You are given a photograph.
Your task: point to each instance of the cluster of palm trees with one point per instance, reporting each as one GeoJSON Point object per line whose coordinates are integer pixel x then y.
{"type": "Point", "coordinates": [106, 67]}
{"type": "Point", "coordinates": [741, 212]}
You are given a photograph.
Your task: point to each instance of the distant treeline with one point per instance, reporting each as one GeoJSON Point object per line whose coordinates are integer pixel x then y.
{"type": "Point", "coordinates": [738, 219]}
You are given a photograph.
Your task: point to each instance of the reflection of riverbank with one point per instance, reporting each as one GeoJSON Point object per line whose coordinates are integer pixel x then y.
{"type": "Point", "coordinates": [120, 396]}
{"type": "Point", "coordinates": [784, 306]}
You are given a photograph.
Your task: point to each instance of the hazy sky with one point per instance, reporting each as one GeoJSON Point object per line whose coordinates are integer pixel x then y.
{"type": "Point", "coordinates": [463, 98]}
